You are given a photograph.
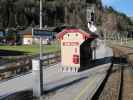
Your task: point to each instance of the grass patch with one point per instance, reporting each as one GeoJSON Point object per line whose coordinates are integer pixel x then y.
{"type": "Point", "coordinates": [31, 49]}
{"type": "Point", "coordinates": [130, 43]}
{"type": "Point", "coordinates": [130, 57]}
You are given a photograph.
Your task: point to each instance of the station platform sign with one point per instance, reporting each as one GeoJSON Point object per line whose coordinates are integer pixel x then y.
{"type": "Point", "coordinates": [41, 32]}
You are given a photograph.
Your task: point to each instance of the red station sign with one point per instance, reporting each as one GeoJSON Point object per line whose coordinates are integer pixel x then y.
{"type": "Point", "coordinates": [70, 43]}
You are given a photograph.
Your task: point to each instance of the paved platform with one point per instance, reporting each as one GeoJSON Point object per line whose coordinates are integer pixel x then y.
{"type": "Point", "coordinates": [51, 76]}
{"type": "Point", "coordinates": [55, 80]}
{"type": "Point", "coordinates": [84, 88]}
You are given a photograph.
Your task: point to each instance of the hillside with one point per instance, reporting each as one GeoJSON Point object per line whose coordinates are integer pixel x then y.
{"type": "Point", "coordinates": [58, 12]}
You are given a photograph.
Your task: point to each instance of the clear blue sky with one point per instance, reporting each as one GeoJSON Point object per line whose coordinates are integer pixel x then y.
{"type": "Point", "coordinates": [125, 6]}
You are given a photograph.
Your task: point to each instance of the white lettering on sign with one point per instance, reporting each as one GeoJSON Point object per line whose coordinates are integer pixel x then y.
{"type": "Point", "coordinates": [70, 43]}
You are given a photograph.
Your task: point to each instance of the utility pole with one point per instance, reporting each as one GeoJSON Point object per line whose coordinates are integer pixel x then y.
{"type": "Point", "coordinates": [40, 29]}
{"type": "Point", "coordinates": [37, 68]}
{"type": "Point", "coordinates": [41, 53]}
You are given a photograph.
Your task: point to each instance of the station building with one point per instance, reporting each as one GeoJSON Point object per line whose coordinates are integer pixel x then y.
{"type": "Point", "coordinates": [76, 51]}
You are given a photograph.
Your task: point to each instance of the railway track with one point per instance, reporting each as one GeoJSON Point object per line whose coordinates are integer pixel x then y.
{"type": "Point", "coordinates": [127, 88]}
{"type": "Point", "coordinates": [118, 84]}
{"type": "Point", "coordinates": [111, 87]}
{"type": "Point", "coordinates": [125, 52]}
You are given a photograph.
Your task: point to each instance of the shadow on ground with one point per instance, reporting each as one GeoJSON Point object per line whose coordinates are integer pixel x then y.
{"type": "Point", "coordinates": [95, 63]}
{"type": "Point", "coordinates": [65, 85]}
{"type": "Point", "coordinates": [28, 95]}
{"type": "Point", "coordinates": [24, 95]}
{"type": "Point", "coordinates": [11, 53]}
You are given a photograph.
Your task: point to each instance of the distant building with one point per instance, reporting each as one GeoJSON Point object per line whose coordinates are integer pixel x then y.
{"type": "Point", "coordinates": [1, 33]}
{"type": "Point", "coordinates": [130, 34]}
{"type": "Point", "coordinates": [29, 38]}
{"type": "Point", "coordinates": [26, 36]}
{"type": "Point", "coordinates": [2, 36]}
{"type": "Point", "coordinates": [130, 30]}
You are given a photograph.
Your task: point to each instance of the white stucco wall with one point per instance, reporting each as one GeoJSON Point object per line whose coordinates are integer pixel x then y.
{"type": "Point", "coordinates": [67, 50]}
{"type": "Point", "coordinates": [27, 41]}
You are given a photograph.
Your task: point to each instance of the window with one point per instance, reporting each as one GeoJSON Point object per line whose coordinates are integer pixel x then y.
{"type": "Point", "coordinates": [76, 35]}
